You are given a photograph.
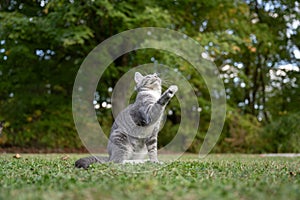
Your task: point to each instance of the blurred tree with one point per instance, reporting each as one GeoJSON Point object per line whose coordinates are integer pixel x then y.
{"type": "Point", "coordinates": [255, 44]}
{"type": "Point", "coordinates": [42, 46]}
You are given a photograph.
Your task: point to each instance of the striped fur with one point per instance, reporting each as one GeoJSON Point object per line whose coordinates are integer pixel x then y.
{"type": "Point", "coordinates": [134, 133]}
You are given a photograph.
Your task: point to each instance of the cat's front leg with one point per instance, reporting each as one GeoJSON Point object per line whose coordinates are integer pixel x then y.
{"type": "Point", "coordinates": [151, 144]}
{"type": "Point", "coordinates": [167, 95]}
{"type": "Point", "coordinates": [156, 110]}
{"type": "Point", "coordinates": [151, 115]}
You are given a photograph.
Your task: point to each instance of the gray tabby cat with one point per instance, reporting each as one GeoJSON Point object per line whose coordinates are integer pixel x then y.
{"type": "Point", "coordinates": [134, 132]}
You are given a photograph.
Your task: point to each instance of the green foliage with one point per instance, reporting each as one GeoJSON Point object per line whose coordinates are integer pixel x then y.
{"type": "Point", "coordinates": [43, 51]}
{"type": "Point", "coordinates": [43, 43]}
{"type": "Point", "coordinates": [215, 177]}
{"type": "Point", "coordinates": [242, 134]}
{"type": "Point", "coordinates": [282, 135]}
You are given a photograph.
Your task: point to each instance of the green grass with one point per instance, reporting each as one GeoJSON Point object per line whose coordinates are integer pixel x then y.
{"type": "Point", "coordinates": [215, 177]}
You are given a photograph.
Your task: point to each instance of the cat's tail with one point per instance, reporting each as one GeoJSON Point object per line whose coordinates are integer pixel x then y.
{"type": "Point", "coordinates": [87, 161]}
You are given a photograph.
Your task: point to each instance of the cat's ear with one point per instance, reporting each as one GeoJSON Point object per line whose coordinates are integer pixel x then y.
{"type": "Point", "coordinates": [138, 77]}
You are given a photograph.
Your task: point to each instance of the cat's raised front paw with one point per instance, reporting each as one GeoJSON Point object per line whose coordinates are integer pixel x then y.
{"type": "Point", "coordinates": [173, 89]}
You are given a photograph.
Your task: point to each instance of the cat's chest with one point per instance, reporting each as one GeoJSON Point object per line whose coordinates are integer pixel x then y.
{"type": "Point", "coordinates": [128, 125]}
{"type": "Point", "coordinates": [154, 95]}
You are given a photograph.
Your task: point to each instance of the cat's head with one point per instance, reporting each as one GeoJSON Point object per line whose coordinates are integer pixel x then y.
{"type": "Point", "coordinates": [148, 82]}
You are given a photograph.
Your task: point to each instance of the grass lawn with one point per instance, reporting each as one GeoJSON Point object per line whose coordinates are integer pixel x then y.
{"type": "Point", "coordinates": [215, 177]}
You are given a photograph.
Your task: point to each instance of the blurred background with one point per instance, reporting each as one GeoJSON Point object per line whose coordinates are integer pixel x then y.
{"type": "Point", "coordinates": [255, 45]}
